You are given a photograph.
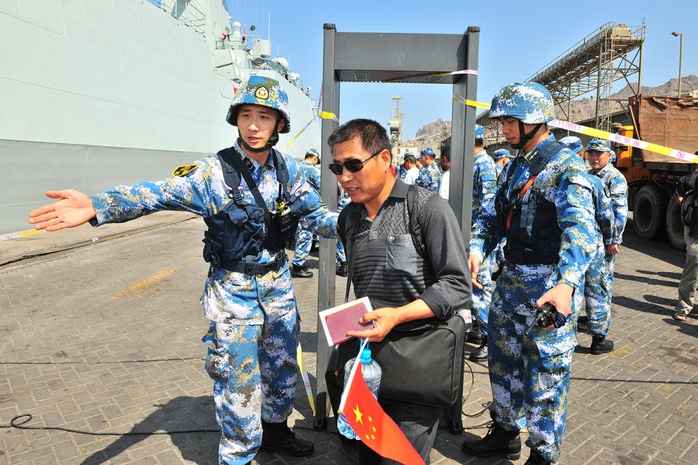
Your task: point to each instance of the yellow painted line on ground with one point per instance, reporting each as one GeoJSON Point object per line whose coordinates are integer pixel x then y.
{"type": "Point", "coordinates": [145, 284]}
{"type": "Point", "coordinates": [17, 235]}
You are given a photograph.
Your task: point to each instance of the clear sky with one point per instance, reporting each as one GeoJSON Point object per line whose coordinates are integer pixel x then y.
{"type": "Point", "coordinates": [517, 39]}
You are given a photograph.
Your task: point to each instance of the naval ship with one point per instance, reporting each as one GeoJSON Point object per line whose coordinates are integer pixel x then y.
{"type": "Point", "coordinates": [96, 93]}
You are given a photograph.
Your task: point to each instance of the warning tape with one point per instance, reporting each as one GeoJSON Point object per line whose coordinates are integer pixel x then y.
{"type": "Point", "coordinates": [599, 134]}
{"type": "Point", "coordinates": [681, 155]}
{"type": "Point", "coordinates": [329, 115]}
{"type": "Point", "coordinates": [299, 133]}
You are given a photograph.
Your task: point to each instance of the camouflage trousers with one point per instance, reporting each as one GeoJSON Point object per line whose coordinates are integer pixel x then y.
{"type": "Point", "coordinates": [598, 291]}
{"type": "Point", "coordinates": [482, 298]}
{"type": "Point", "coordinates": [304, 244]}
{"type": "Point", "coordinates": [254, 369]}
{"type": "Point", "coordinates": [530, 371]}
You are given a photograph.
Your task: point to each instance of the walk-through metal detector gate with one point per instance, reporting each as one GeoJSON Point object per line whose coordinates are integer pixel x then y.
{"type": "Point", "coordinates": [395, 57]}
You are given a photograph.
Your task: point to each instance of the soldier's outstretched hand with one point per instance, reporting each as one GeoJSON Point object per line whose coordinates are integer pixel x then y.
{"type": "Point", "coordinates": [72, 209]}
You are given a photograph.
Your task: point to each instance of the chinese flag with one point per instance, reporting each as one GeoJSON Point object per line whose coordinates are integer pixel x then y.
{"type": "Point", "coordinates": [375, 428]}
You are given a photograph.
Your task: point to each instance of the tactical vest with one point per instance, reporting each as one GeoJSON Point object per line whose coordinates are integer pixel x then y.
{"type": "Point", "coordinates": [534, 236]}
{"type": "Point", "coordinates": [238, 234]}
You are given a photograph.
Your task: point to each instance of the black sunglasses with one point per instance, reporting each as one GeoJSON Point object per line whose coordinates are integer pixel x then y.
{"type": "Point", "coordinates": [353, 165]}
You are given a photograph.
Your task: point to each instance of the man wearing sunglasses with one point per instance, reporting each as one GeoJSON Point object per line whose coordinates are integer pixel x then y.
{"type": "Point", "coordinates": [384, 263]}
{"type": "Point", "coordinates": [251, 197]}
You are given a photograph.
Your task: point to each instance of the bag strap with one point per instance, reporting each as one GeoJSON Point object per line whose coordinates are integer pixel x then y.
{"type": "Point", "coordinates": [415, 227]}
{"type": "Point", "coordinates": [356, 220]}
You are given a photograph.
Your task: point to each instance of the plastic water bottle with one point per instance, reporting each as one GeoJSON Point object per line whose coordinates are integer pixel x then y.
{"type": "Point", "coordinates": [371, 372]}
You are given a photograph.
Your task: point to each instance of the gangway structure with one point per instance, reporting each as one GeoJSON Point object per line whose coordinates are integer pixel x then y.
{"type": "Point", "coordinates": [609, 54]}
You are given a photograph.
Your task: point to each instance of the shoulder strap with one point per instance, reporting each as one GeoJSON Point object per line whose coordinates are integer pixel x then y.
{"type": "Point", "coordinates": [230, 174]}
{"type": "Point", "coordinates": [233, 160]}
{"type": "Point", "coordinates": [541, 160]}
{"type": "Point", "coordinates": [415, 227]}
{"type": "Point", "coordinates": [544, 156]}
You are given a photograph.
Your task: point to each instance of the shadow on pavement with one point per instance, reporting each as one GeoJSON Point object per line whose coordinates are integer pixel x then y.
{"type": "Point", "coordinates": [190, 421]}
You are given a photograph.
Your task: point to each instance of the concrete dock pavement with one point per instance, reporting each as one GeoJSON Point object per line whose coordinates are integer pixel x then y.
{"type": "Point", "coordinates": [100, 334]}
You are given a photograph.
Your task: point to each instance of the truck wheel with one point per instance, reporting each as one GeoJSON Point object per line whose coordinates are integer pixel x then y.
{"type": "Point", "coordinates": [674, 226]}
{"type": "Point", "coordinates": [649, 212]}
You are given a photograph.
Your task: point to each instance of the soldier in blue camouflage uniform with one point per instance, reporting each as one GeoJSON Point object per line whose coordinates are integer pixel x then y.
{"type": "Point", "coordinates": [544, 207]}
{"type": "Point", "coordinates": [430, 174]}
{"type": "Point", "coordinates": [599, 283]}
{"type": "Point", "coordinates": [501, 158]}
{"type": "Point", "coordinates": [596, 292]}
{"type": "Point", "coordinates": [484, 190]}
{"type": "Point", "coordinates": [304, 238]}
{"type": "Point", "coordinates": [402, 169]}
{"type": "Point", "coordinates": [248, 296]}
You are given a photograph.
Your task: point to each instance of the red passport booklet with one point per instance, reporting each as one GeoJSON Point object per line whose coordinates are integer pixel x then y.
{"type": "Point", "coordinates": [339, 320]}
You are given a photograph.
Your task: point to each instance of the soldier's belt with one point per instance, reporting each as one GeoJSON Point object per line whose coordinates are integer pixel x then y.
{"type": "Point", "coordinates": [255, 269]}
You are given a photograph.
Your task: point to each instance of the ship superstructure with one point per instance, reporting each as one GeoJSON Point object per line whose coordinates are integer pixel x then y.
{"type": "Point", "coordinates": [99, 93]}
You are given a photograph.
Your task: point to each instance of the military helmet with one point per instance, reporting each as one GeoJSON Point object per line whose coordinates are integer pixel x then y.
{"type": "Point", "coordinates": [528, 102]}
{"type": "Point", "coordinates": [479, 131]}
{"type": "Point", "coordinates": [599, 145]}
{"type": "Point", "coordinates": [573, 143]}
{"type": "Point", "coordinates": [501, 153]}
{"type": "Point", "coordinates": [262, 91]}
{"type": "Point", "coordinates": [313, 153]}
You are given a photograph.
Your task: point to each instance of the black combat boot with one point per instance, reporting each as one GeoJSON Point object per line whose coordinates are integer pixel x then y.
{"type": "Point", "coordinates": [480, 354]}
{"type": "Point", "coordinates": [601, 345]}
{"type": "Point", "coordinates": [278, 437]}
{"type": "Point", "coordinates": [342, 269]}
{"type": "Point", "coordinates": [497, 443]}
{"type": "Point", "coordinates": [475, 336]}
{"type": "Point", "coordinates": [301, 272]}
{"type": "Point", "coordinates": [536, 459]}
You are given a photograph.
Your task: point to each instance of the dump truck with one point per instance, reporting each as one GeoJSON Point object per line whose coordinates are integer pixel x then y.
{"type": "Point", "coordinates": [652, 177]}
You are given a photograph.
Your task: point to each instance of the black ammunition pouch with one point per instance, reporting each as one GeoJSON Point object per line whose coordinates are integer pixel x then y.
{"type": "Point", "coordinates": [534, 237]}
{"type": "Point", "coordinates": [533, 234]}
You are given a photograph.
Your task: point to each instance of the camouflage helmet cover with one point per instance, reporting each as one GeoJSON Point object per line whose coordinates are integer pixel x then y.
{"type": "Point", "coordinates": [479, 131]}
{"type": "Point", "coordinates": [573, 143]}
{"type": "Point", "coordinates": [427, 151]}
{"type": "Point", "coordinates": [599, 145]}
{"type": "Point", "coordinates": [262, 91]}
{"type": "Point", "coordinates": [529, 102]}
{"type": "Point", "coordinates": [501, 153]}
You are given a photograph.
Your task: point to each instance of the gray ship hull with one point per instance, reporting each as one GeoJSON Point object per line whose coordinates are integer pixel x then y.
{"type": "Point", "coordinates": [117, 92]}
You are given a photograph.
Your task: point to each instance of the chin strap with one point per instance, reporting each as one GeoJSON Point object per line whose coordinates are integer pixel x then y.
{"type": "Point", "coordinates": [523, 137]}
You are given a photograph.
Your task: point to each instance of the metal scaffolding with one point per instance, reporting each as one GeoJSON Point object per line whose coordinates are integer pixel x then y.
{"type": "Point", "coordinates": [610, 54]}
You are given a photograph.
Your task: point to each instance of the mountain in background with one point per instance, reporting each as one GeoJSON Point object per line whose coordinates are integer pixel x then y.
{"type": "Point", "coordinates": [431, 135]}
